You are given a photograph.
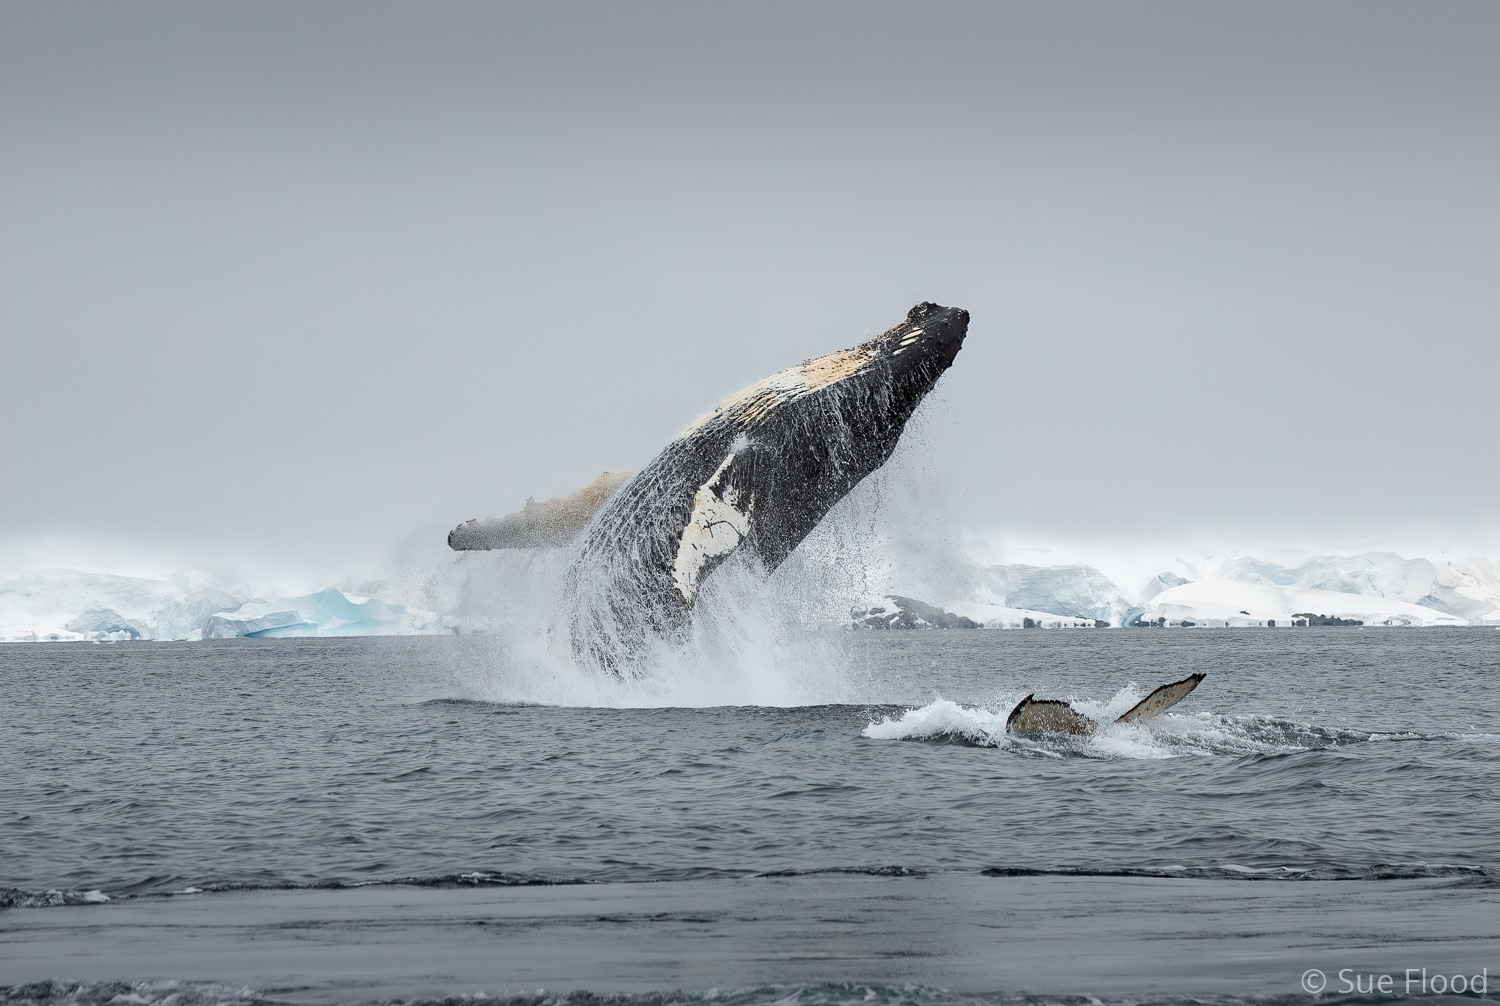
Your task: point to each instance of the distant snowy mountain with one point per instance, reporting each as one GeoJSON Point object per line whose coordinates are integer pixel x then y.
{"type": "Point", "coordinates": [1375, 588]}
{"type": "Point", "coordinates": [1467, 590]}
{"type": "Point", "coordinates": [1223, 602]}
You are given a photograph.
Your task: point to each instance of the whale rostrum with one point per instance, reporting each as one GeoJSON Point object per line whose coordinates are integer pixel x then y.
{"type": "Point", "coordinates": [1034, 717]}
{"type": "Point", "coordinates": [754, 475]}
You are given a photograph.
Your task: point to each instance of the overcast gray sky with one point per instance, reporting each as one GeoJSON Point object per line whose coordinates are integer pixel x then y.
{"type": "Point", "coordinates": [314, 275]}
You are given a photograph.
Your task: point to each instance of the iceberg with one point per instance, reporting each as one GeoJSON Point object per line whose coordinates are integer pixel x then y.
{"type": "Point", "coordinates": [257, 620]}
{"type": "Point", "coordinates": [105, 623]}
{"type": "Point", "coordinates": [329, 612]}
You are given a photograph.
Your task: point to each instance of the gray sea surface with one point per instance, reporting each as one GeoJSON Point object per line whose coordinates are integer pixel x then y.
{"type": "Point", "coordinates": [1338, 783]}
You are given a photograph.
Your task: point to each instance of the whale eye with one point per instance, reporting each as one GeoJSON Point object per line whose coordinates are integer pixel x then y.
{"type": "Point", "coordinates": [920, 311]}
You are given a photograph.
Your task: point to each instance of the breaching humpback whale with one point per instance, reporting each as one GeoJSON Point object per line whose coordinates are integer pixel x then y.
{"type": "Point", "coordinates": [1034, 717]}
{"type": "Point", "coordinates": [755, 475]}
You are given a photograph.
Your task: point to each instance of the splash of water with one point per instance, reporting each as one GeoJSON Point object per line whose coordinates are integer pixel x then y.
{"type": "Point", "coordinates": [1172, 735]}
{"type": "Point", "coordinates": [775, 639]}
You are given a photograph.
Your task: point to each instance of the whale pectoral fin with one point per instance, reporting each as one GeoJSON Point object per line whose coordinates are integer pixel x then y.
{"type": "Point", "coordinates": [547, 524]}
{"type": "Point", "coordinates": [720, 521]}
{"type": "Point", "coordinates": [1035, 717]}
{"type": "Point", "coordinates": [1161, 700]}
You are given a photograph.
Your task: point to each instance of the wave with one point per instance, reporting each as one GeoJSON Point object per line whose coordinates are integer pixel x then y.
{"type": "Point", "coordinates": [1460, 874]}
{"type": "Point", "coordinates": [1463, 876]}
{"type": "Point", "coordinates": [865, 871]}
{"type": "Point", "coordinates": [58, 992]}
{"type": "Point", "coordinates": [168, 992]}
{"type": "Point", "coordinates": [12, 897]}
{"type": "Point", "coordinates": [1169, 736]}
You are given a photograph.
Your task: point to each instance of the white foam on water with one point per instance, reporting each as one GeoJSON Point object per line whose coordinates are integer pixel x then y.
{"type": "Point", "coordinates": [747, 646]}
{"type": "Point", "coordinates": [754, 639]}
{"type": "Point", "coordinates": [944, 719]}
{"type": "Point", "coordinates": [1172, 735]}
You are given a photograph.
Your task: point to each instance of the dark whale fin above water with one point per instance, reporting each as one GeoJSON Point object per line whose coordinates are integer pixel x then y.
{"type": "Point", "coordinates": [1033, 717]}
{"type": "Point", "coordinates": [1161, 700]}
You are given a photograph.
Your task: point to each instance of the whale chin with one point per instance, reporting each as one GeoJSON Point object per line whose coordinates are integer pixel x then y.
{"type": "Point", "coordinates": [754, 475]}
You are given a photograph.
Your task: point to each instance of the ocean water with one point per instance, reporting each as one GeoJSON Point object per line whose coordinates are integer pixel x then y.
{"type": "Point", "coordinates": [1321, 787]}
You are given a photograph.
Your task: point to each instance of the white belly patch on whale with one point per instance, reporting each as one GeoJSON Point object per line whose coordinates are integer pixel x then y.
{"type": "Point", "coordinates": [716, 528]}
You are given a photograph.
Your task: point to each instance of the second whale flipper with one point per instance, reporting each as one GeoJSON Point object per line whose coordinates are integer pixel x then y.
{"type": "Point", "coordinates": [1161, 700]}
{"type": "Point", "coordinates": [1033, 717]}
{"type": "Point", "coordinates": [547, 524]}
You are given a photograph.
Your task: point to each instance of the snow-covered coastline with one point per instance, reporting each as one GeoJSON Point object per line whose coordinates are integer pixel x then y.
{"type": "Point", "coordinates": [1228, 589]}
{"type": "Point", "coordinates": [62, 603]}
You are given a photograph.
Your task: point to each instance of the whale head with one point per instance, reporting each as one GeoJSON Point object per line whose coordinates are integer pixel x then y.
{"type": "Point", "coordinates": [815, 431]}
{"type": "Point", "coordinates": [924, 345]}
{"type": "Point", "coordinates": [884, 378]}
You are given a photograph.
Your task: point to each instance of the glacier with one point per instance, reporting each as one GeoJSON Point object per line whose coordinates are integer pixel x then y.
{"type": "Point", "coordinates": [440, 594]}
{"type": "Point", "coordinates": [1066, 594]}
{"type": "Point", "coordinates": [68, 604]}
{"type": "Point", "coordinates": [71, 603]}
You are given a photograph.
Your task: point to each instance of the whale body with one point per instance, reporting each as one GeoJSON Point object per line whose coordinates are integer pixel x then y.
{"type": "Point", "coordinates": [753, 476]}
